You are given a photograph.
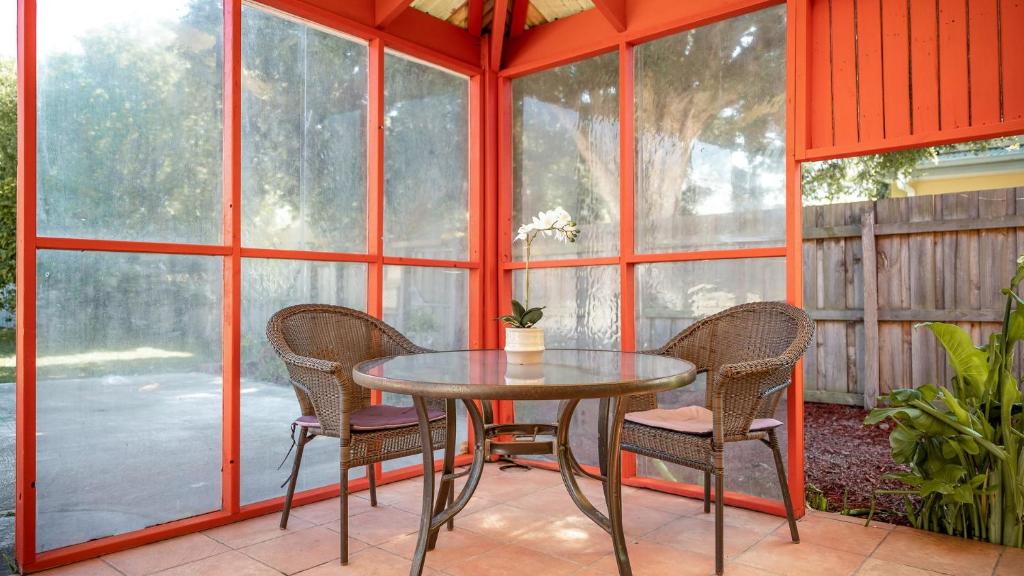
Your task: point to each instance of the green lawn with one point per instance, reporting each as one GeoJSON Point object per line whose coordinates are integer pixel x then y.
{"type": "Point", "coordinates": [6, 351]}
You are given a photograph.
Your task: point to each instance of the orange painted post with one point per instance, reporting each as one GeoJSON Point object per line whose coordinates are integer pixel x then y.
{"type": "Point", "coordinates": [627, 218]}
{"type": "Point", "coordinates": [819, 106]}
{"type": "Point", "coordinates": [491, 256]}
{"type": "Point", "coordinates": [25, 404]}
{"type": "Point", "coordinates": [477, 285]}
{"type": "Point", "coordinates": [983, 39]}
{"type": "Point", "coordinates": [1012, 58]}
{"type": "Point", "coordinates": [896, 68]}
{"type": "Point", "coordinates": [924, 66]}
{"type": "Point", "coordinates": [870, 97]}
{"type": "Point", "coordinates": [794, 267]}
{"type": "Point", "coordinates": [505, 409]}
{"type": "Point", "coordinates": [375, 180]}
{"type": "Point", "coordinates": [375, 194]}
{"type": "Point", "coordinates": [954, 81]}
{"type": "Point", "coordinates": [232, 232]}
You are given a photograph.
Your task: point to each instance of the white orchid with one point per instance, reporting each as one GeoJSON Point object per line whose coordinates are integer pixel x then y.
{"type": "Point", "coordinates": [557, 223]}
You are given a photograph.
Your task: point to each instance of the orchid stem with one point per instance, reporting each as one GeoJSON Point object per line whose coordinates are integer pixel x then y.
{"type": "Point", "coordinates": [529, 243]}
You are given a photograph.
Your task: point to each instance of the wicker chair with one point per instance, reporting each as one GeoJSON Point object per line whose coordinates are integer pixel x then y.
{"type": "Point", "coordinates": [320, 344]}
{"type": "Point", "coordinates": [748, 353]}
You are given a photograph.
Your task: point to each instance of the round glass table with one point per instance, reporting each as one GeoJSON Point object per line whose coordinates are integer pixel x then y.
{"type": "Point", "coordinates": [568, 376]}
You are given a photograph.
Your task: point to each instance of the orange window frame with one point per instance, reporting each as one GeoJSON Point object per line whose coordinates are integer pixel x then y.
{"type": "Point", "coordinates": [231, 250]}
{"type": "Point", "coordinates": [490, 64]}
{"type": "Point", "coordinates": [582, 43]}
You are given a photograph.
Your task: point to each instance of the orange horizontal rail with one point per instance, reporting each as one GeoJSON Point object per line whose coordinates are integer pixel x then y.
{"type": "Point", "coordinates": [730, 254]}
{"type": "Point", "coordinates": [273, 253]}
{"type": "Point", "coordinates": [428, 262]}
{"type": "Point", "coordinates": [562, 263]}
{"type": "Point", "coordinates": [54, 243]}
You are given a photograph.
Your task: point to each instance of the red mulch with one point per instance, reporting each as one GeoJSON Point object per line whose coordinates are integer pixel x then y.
{"type": "Point", "coordinates": [843, 456]}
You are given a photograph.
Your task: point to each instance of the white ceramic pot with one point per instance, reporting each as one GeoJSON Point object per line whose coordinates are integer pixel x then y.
{"type": "Point", "coordinates": [524, 345]}
{"type": "Point", "coordinates": [531, 373]}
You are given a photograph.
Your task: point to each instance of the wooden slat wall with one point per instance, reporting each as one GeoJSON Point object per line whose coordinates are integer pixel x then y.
{"type": "Point", "coordinates": [928, 267]}
{"type": "Point", "coordinates": [889, 74]}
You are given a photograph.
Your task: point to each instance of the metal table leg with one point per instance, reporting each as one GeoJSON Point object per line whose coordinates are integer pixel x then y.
{"type": "Point", "coordinates": [434, 515]}
{"type": "Point", "coordinates": [612, 523]}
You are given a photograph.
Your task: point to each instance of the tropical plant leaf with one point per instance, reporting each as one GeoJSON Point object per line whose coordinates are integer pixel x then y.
{"type": "Point", "coordinates": [968, 362]}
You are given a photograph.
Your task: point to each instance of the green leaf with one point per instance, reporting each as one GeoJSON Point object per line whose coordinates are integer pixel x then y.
{"type": "Point", "coordinates": [879, 414]}
{"type": "Point", "coordinates": [532, 317]}
{"type": "Point", "coordinates": [903, 443]}
{"type": "Point", "coordinates": [968, 362]}
{"type": "Point", "coordinates": [511, 321]}
{"type": "Point", "coordinates": [517, 309]}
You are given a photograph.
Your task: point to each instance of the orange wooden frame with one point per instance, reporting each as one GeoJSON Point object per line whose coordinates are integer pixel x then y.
{"type": "Point", "coordinates": [490, 63]}
{"type": "Point", "coordinates": [532, 58]}
{"type": "Point", "coordinates": [231, 251]}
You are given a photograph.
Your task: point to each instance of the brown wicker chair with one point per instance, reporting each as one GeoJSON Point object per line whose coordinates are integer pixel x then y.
{"type": "Point", "coordinates": [320, 344]}
{"type": "Point", "coordinates": [748, 353]}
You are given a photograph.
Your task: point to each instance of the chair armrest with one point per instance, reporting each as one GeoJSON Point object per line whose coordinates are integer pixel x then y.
{"type": "Point", "coordinates": [325, 366]}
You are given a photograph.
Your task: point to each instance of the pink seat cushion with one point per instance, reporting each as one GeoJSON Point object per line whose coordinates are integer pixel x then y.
{"type": "Point", "coordinates": [381, 417]}
{"type": "Point", "coordinates": [694, 420]}
{"type": "Point", "coordinates": [307, 422]}
{"type": "Point", "coordinates": [384, 417]}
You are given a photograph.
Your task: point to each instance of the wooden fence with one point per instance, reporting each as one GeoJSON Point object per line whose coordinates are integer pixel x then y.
{"type": "Point", "coordinates": [872, 270]}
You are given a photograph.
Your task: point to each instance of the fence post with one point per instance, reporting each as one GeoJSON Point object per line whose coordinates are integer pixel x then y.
{"type": "Point", "coordinates": [870, 268]}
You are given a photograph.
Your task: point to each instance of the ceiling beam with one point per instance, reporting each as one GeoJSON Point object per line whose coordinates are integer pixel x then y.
{"type": "Point", "coordinates": [614, 11]}
{"type": "Point", "coordinates": [385, 11]}
{"type": "Point", "coordinates": [476, 17]}
{"type": "Point", "coordinates": [518, 18]}
{"type": "Point", "coordinates": [498, 21]}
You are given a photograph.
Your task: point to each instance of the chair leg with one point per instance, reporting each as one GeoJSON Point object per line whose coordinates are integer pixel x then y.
{"type": "Point", "coordinates": [707, 492]}
{"type": "Point", "coordinates": [773, 442]}
{"type": "Point", "coordinates": [371, 473]}
{"type": "Point", "coordinates": [296, 463]}
{"type": "Point", "coordinates": [451, 500]}
{"type": "Point", "coordinates": [344, 514]}
{"type": "Point", "coordinates": [719, 522]}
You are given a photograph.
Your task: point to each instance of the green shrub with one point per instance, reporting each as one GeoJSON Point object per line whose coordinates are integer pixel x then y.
{"type": "Point", "coordinates": [962, 442]}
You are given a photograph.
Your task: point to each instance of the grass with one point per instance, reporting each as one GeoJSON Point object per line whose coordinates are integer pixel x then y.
{"type": "Point", "coordinates": [6, 350]}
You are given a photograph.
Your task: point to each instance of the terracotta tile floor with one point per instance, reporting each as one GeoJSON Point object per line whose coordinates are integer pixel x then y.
{"type": "Point", "coordinates": [523, 523]}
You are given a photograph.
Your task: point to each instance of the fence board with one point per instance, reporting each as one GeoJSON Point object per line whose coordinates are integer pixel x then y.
{"type": "Point", "coordinates": [938, 259]}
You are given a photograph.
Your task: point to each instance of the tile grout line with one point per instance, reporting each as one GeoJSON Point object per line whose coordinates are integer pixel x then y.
{"type": "Point", "coordinates": [112, 567]}
{"type": "Point", "coordinates": [875, 549]}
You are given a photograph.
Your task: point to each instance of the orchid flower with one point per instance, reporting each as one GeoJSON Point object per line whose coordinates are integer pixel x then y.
{"type": "Point", "coordinates": [557, 223]}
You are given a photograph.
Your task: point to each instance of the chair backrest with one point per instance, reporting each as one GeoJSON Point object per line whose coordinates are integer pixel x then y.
{"type": "Point", "coordinates": [323, 332]}
{"type": "Point", "coordinates": [748, 352]}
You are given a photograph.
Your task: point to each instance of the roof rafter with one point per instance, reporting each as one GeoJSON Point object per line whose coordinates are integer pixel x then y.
{"type": "Point", "coordinates": [385, 11]}
{"type": "Point", "coordinates": [475, 22]}
{"type": "Point", "coordinates": [614, 11]}
{"type": "Point", "coordinates": [498, 21]}
{"type": "Point", "coordinates": [519, 10]}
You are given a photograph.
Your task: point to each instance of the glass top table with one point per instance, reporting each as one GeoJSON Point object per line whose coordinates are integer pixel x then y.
{"type": "Point", "coordinates": [488, 375]}
{"type": "Point", "coordinates": [565, 375]}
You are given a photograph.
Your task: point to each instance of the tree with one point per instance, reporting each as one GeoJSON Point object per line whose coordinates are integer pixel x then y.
{"type": "Point", "coordinates": [871, 177]}
{"type": "Point", "coordinates": [8, 181]}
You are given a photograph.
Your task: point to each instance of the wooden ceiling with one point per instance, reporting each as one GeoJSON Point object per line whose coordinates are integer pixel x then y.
{"type": "Point", "coordinates": [522, 14]}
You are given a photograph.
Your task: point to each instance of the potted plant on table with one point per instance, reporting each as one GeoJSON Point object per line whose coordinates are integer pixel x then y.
{"type": "Point", "coordinates": [524, 341]}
